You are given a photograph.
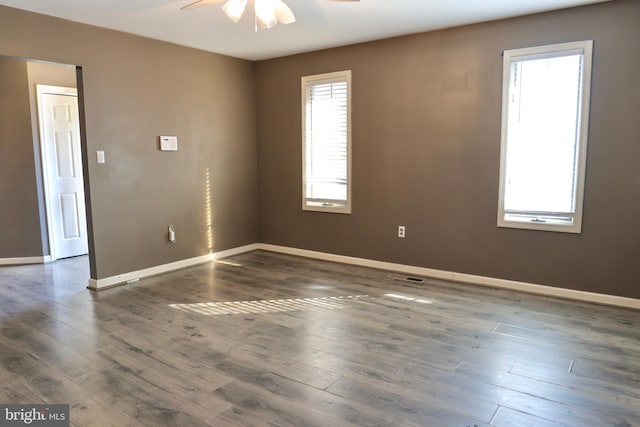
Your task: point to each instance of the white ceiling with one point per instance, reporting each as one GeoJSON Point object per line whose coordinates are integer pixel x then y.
{"type": "Point", "coordinates": [320, 23]}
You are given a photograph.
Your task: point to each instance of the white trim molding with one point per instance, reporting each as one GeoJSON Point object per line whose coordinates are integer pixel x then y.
{"type": "Point", "coordinates": [134, 276]}
{"type": "Point", "coordinates": [25, 260]}
{"type": "Point", "coordinates": [471, 279]}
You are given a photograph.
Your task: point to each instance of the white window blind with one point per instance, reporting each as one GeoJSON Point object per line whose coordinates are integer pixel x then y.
{"type": "Point", "coordinates": [326, 142]}
{"type": "Point", "coordinates": [544, 136]}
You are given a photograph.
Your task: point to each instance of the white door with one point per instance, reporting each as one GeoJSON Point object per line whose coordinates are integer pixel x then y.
{"type": "Point", "coordinates": [62, 171]}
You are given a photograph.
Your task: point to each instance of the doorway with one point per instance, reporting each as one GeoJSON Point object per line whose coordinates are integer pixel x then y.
{"type": "Point", "coordinates": [60, 148]}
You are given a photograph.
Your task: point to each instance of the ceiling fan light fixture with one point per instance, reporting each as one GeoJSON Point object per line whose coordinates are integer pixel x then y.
{"type": "Point", "coordinates": [234, 9]}
{"type": "Point", "coordinates": [265, 13]}
{"type": "Point", "coordinates": [284, 13]}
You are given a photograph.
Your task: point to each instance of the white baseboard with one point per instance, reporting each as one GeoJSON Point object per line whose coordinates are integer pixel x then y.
{"type": "Point", "coordinates": [133, 276]}
{"type": "Point", "coordinates": [513, 285]}
{"type": "Point", "coordinates": [25, 260]}
{"type": "Point", "coordinates": [464, 278]}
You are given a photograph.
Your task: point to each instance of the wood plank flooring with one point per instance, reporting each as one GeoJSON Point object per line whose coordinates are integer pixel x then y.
{"type": "Point", "coordinates": [301, 342]}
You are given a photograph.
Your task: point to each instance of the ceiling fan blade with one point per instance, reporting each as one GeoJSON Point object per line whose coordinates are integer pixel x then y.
{"type": "Point", "coordinates": [200, 3]}
{"type": "Point", "coordinates": [284, 14]}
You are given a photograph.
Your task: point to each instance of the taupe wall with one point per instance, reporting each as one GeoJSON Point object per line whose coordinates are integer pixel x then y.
{"type": "Point", "coordinates": [135, 90]}
{"type": "Point", "coordinates": [426, 144]}
{"type": "Point", "coordinates": [19, 218]}
{"type": "Point", "coordinates": [426, 149]}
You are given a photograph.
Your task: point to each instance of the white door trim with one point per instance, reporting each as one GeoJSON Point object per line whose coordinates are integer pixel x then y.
{"type": "Point", "coordinates": [54, 90]}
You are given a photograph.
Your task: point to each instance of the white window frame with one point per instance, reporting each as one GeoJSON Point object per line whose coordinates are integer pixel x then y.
{"type": "Point", "coordinates": [546, 221]}
{"type": "Point", "coordinates": [306, 81]}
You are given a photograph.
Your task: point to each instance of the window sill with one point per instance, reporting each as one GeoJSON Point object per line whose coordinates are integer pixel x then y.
{"type": "Point", "coordinates": [327, 207]}
{"type": "Point", "coordinates": [540, 224]}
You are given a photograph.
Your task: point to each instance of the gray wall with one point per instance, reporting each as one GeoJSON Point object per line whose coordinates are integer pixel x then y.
{"type": "Point", "coordinates": [19, 219]}
{"type": "Point", "coordinates": [135, 90]}
{"type": "Point", "coordinates": [426, 148]}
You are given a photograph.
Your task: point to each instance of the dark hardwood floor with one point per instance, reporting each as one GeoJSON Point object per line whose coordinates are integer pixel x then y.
{"type": "Point", "coordinates": [269, 339]}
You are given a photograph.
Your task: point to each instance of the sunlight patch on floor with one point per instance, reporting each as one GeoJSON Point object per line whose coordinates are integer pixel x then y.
{"type": "Point", "coordinates": [266, 306]}
{"type": "Point", "coordinates": [233, 264]}
{"type": "Point", "coordinates": [406, 298]}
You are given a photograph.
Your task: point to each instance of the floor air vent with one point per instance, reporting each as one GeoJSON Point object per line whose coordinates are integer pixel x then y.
{"type": "Point", "coordinates": [410, 279]}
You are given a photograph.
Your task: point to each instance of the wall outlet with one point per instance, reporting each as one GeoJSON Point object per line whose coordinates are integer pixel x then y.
{"type": "Point", "coordinates": [401, 231]}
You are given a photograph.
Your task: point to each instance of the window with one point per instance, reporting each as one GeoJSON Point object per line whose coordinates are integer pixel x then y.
{"type": "Point", "coordinates": [545, 111]}
{"type": "Point", "coordinates": [326, 142]}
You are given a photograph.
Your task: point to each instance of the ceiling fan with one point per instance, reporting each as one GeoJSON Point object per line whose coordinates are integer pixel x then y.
{"type": "Point", "coordinates": [267, 12]}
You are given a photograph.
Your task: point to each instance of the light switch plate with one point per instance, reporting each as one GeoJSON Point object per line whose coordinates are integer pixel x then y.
{"type": "Point", "coordinates": [100, 157]}
{"type": "Point", "coordinates": [168, 143]}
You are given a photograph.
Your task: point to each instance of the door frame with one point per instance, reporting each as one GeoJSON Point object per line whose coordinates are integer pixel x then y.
{"type": "Point", "coordinates": [42, 90]}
